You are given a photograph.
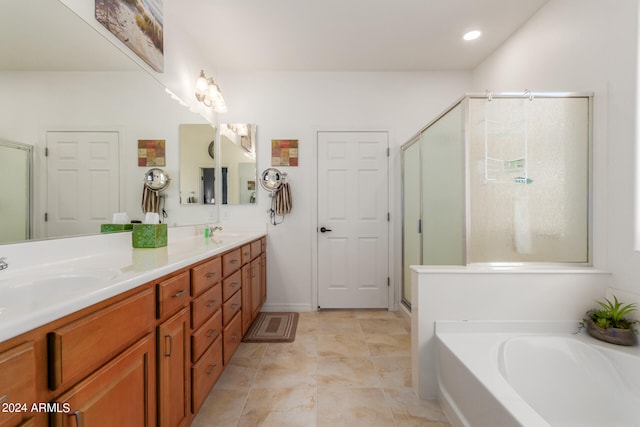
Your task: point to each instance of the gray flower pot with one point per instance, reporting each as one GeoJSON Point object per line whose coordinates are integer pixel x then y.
{"type": "Point", "coordinates": [611, 335]}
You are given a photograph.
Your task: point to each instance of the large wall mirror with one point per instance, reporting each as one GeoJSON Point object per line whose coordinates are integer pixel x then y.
{"type": "Point", "coordinates": [58, 73]}
{"type": "Point", "coordinates": [218, 165]}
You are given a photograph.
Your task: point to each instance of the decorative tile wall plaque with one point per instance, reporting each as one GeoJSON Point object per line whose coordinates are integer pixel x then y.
{"type": "Point", "coordinates": [284, 152]}
{"type": "Point", "coordinates": [151, 152]}
{"type": "Point", "coordinates": [138, 24]}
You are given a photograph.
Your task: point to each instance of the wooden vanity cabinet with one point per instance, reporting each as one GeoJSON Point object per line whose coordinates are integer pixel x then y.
{"type": "Point", "coordinates": [17, 384]}
{"type": "Point", "coordinates": [146, 357]}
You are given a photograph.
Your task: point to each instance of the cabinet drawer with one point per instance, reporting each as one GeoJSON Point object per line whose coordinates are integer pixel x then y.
{"type": "Point", "coordinates": [246, 253]}
{"type": "Point", "coordinates": [205, 275]}
{"type": "Point", "coordinates": [205, 335]}
{"type": "Point", "coordinates": [231, 307]}
{"type": "Point", "coordinates": [17, 382]}
{"type": "Point", "coordinates": [231, 337]}
{"type": "Point", "coordinates": [205, 373]}
{"type": "Point", "coordinates": [80, 347]}
{"type": "Point", "coordinates": [173, 294]}
{"type": "Point", "coordinates": [231, 284]}
{"type": "Point", "coordinates": [231, 261]}
{"type": "Point", "coordinates": [256, 248]}
{"type": "Point", "coordinates": [205, 305]}
{"type": "Point", "coordinates": [118, 394]}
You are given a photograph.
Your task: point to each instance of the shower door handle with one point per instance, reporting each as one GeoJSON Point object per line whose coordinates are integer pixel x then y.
{"type": "Point", "coordinates": [324, 229]}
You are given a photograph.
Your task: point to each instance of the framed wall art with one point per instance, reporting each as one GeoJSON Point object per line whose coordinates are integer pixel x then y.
{"type": "Point", "coordinates": [151, 152]}
{"type": "Point", "coordinates": [284, 152]}
{"type": "Point", "coordinates": [138, 24]}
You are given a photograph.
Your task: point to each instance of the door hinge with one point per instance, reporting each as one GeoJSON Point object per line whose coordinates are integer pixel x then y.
{"type": "Point", "coordinates": [46, 151]}
{"type": "Point", "coordinates": [46, 217]}
{"type": "Point", "coordinates": [388, 216]}
{"type": "Point", "coordinates": [419, 226]}
{"type": "Point", "coordinates": [388, 152]}
{"type": "Point", "coordinates": [388, 282]}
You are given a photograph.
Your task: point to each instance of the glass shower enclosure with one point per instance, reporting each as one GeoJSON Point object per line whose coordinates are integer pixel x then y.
{"type": "Point", "coordinates": [499, 178]}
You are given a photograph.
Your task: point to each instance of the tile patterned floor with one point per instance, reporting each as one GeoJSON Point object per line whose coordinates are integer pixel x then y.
{"type": "Point", "coordinates": [345, 368]}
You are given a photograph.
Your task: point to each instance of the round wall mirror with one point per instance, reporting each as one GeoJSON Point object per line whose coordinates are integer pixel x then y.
{"type": "Point", "coordinates": [271, 179]}
{"type": "Point", "coordinates": [156, 179]}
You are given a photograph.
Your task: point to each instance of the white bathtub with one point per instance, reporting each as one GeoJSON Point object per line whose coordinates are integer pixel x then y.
{"type": "Point", "coordinates": [535, 374]}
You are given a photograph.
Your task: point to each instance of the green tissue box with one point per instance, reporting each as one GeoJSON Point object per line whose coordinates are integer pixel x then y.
{"type": "Point", "coordinates": [115, 228]}
{"type": "Point", "coordinates": [149, 235]}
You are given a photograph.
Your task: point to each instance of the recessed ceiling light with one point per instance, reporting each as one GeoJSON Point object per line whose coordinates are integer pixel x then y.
{"type": "Point", "coordinates": [472, 35]}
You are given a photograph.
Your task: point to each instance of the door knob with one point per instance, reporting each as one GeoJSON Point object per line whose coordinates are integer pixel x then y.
{"type": "Point", "coordinates": [324, 229]}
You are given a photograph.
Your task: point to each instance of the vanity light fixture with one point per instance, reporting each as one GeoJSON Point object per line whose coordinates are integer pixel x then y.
{"type": "Point", "coordinates": [208, 92]}
{"type": "Point", "coordinates": [472, 35]}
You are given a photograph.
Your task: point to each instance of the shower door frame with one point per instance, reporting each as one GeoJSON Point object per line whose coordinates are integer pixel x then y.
{"type": "Point", "coordinates": [464, 103]}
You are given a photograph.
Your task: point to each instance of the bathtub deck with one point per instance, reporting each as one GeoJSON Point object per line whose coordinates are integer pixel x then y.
{"type": "Point", "coordinates": [475, 392]}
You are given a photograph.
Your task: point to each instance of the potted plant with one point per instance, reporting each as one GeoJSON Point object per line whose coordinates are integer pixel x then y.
{"type": "Point", "coordinates": [610, 323]}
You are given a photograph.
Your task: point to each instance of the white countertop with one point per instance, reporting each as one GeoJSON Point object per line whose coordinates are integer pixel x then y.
{"type": "Point", "coordinates": [49, 279]}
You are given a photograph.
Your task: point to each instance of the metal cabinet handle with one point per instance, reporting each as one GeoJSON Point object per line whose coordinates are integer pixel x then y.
{"type": "Point", "coordinates": [4, 399]}
{"type": "Point", "coordinates": [234, 261]}
{"type": "Point", "coordinates": [212, 333]}
{"type": "Point", "coordinates": [212, 369]}
{"type": "Point", "coordinates": [170, 345]}
{"type": "Point", "coordinates": [212, 274]}
{"type": "Point", "coordinates": [78, 416]}
{"type": "Point", "coordinates": [235, 284]}
{"type": "Point", "coordinates": [212, 303]}
{"type": "Point", "coordinates": [234, 306]}
{"type": "Point", "coordinates": [180, 293]}
{"type": "Point", "coordinates": [324, 229]}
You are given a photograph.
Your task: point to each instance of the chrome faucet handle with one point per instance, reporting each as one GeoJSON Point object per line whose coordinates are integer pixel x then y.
{"type": "Point", "coordinates": [216, 228]}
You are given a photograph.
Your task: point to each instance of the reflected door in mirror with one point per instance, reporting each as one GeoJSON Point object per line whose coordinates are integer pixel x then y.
{"type": "Point", "coordinates": [15, 196]}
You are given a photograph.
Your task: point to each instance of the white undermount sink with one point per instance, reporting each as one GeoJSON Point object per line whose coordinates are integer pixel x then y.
{"type": "Point", "coordinates": [29, 292]}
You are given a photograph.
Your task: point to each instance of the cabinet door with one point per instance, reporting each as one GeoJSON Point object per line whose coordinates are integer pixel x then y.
{"type": "Point", "coordinates": [263, 278]}
{"type": "Point", "coordinates": [256, 292]}
{"type": "Point", "coordinates": [121, 393]}
{"type": "Point", "coordinates": [173, 376]}
{"type": "Point", "coordinates": [17, 383]}
{"type": "Point", "coordinates": [247, 317]}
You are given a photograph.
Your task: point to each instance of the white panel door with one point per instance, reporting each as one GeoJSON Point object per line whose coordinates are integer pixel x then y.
{"type": "Point", "coordinates": [83, 184]}
{"type": "Point", "coordinates": [353, 226]}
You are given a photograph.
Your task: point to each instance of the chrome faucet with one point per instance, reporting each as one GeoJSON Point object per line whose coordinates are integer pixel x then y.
{"type": "Point", "coordinates": [3, 263]}
{"type": "Point", "coordinates": [216, 228]}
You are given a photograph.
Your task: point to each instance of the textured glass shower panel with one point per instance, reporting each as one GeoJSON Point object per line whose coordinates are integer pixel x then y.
{"type": "Point", "coordinates": [529, 180]}
{"type": "Point", "coordinates": [411, 242]}
{"type": "Point", "coordinates": [443, 208]}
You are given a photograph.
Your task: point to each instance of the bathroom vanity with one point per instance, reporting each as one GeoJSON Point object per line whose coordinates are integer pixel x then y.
{"type": "Point", "coordinates": [144, 348]}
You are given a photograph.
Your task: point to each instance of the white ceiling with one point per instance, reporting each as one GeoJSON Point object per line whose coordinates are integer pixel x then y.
{"type": "Point", "coordinates": [350, 35]}
{"type": "Point", "coordinates": [278, 35]}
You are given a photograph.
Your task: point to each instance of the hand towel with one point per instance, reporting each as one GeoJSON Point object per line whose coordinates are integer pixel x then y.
{"type": "Point", "coordinates": [150, 200]}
